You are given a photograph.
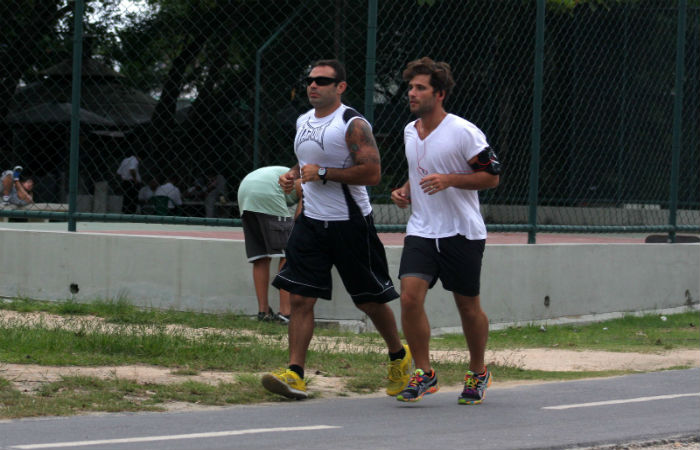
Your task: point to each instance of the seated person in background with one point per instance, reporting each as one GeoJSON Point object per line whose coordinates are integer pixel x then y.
{"type": "Point", "coordinates": [216, 188]}
{"type": "Point", "coordinates": [197, 190]}
{"type": "Point", "coordinates": [130, 177]}
{"type": "Point", "coordinates": [14, 191]}
{"type": "Point", "coordinates": [146, 192]}
{"type": "Point", "coordinates": [172, 192]}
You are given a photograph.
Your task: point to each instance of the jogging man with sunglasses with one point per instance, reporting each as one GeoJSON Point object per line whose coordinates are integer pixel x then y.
{"type": "Point", "coordinates": [449, 161]}
{"type": "Point", "coordinates": [337, 158]}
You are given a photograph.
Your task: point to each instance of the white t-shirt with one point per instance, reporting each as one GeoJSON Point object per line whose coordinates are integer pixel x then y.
{"type": "Point", "coordinates": [170, 190]}
{"type": "Point", "coordinates": [447, 149]}
{"type": "Point", "coordinates": [126, 166]}
{"type": "Point", "coordinates": [322, 141]}
{"type": "Point", "coordinates": [145, 194]}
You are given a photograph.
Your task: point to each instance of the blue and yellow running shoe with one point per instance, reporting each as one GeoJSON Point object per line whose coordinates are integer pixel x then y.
{"type": "Point", "coordinates": [419, 385]}
{"type": "Point", "coordinates": [475, 387]}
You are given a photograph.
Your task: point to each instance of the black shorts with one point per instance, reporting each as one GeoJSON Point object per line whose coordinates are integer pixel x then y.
{"type": "Point", "coordinates": [265, 235]}
{"type": "Point", "coordinates": [353, 246]}
{"type": "Point", "coordinates": [455, 260]}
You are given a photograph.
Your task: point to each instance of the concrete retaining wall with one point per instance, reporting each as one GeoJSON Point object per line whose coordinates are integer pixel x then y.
{"type": "Point", "coordinates": [520, 283]}
{"type": "Point", "coordinates": [629, 215]}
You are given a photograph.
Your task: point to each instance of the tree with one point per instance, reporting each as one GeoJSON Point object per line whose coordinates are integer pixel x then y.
{"type": "Point", "coordinates": [30, 37]}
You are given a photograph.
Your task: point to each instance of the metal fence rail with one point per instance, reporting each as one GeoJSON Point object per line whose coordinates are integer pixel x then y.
{"type": "Point", "coordinates": [591, 106]}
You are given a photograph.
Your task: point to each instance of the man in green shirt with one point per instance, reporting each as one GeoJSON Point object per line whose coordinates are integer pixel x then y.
{"type": "Point", "coordinates": [267, 223]}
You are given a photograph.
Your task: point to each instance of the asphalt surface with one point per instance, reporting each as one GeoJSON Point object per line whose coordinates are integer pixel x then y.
{"type": "Point", "coordinates": [574, 414]}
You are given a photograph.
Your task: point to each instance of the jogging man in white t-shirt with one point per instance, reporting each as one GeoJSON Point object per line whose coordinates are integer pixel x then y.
{"type": "Point", "coordinates": [449, 161]}
{"type": "Point", "coordinates": [338, 157]}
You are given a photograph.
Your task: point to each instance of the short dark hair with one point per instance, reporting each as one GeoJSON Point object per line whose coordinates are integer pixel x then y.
{"type": "Point", "coordinates": [336, 65]}
{"type": "Point", "coordinates": [440, 73]}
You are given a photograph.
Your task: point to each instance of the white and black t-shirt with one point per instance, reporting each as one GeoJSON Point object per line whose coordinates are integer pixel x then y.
{"type": "Point", "coordinates": [322, 141]}
{"type": "Point", "coordinates": [446, 150]}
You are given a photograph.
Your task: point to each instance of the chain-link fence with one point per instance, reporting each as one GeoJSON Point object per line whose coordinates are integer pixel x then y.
{"type": "Point", "coordinates": [203, 92]}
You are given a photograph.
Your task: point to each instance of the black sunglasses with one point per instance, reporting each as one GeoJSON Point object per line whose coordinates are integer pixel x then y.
{"type": "Point", "coordinates": [321, 81]}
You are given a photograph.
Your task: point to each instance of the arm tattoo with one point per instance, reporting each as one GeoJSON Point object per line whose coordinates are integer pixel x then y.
{"type": "Point", "coordinates": [361, 143]}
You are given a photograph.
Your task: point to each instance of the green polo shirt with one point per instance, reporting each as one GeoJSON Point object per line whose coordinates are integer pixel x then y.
{"type": "Point", "coordinates": [260, 192]}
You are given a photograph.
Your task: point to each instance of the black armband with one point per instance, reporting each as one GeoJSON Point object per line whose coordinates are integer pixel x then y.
{"type": "Point", "coordinates": [486, 161]}
{"type": "Point", "coordinates": [350, 113]}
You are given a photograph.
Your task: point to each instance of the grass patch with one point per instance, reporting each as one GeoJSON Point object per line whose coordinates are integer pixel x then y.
{"type": "Point", "coordinates": [185, 371]}
{"type": "Point", "coordinates": [121, 311]}
{"type": "Point", "coordinates": [92, 345]}
{"type": "Point", "coordinates": [77, 394]}
{"type": "Point", "coordinates": [74, 395]}
{"type": "Point", "coordinates": [648, 333]}
{"type": "Point", "coordinates": [244, 389]}
{"type": "Point", "coordinates": [237, 344]}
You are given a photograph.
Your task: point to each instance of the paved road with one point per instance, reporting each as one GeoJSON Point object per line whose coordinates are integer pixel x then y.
{"type": "Point", "coordinates": [553, 415]}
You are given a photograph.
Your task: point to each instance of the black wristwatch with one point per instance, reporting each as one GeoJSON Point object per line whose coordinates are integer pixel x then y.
{"type": "Point", "coordinates": [322, 174]}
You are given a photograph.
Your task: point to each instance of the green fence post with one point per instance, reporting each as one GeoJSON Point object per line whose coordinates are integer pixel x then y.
{"type": "Point", "coordinates": [371, 59]}
{"type": "Point", "coordinates": [677, 120]}
{"type": "Point", "coordinates": [258, 63]}
{"type": "Point", "coordinates": [75, 114]}
{"type": "Point", "coordinates": [536, 122]}
{"type": "Point", "coordinates": [624, 102]}
{"type": "Point", "coordinates": [371, 63]}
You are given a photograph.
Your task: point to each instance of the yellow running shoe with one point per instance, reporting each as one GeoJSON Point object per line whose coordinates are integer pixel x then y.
{"type": "Point", "coordinates": [400, 371]}
{"type": "Point", "coordinates": [285, 382]}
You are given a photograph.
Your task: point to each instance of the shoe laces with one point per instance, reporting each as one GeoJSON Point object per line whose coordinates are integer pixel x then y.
{"type": "Point", "coordinates": [283, 373]}
{"type": "Point", "coordinates": [417, 378]}
{"type": "Point", "coordinates": [472, 381]}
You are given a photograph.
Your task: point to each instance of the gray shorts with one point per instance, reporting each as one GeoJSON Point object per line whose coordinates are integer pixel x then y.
{"type": "Point", "coordinates": [265, 235]}
{"type": "Point", "coordinates": [14, 199]}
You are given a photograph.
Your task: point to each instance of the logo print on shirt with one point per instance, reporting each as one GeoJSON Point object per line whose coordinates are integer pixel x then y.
{"type": "Point", "coordinates": [307, 132]}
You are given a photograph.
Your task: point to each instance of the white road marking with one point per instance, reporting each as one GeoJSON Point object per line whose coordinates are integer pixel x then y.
{"type": "Point", "coordinates": [618, 402]}
{"type": "Point", "coordinates": [173, 437]}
